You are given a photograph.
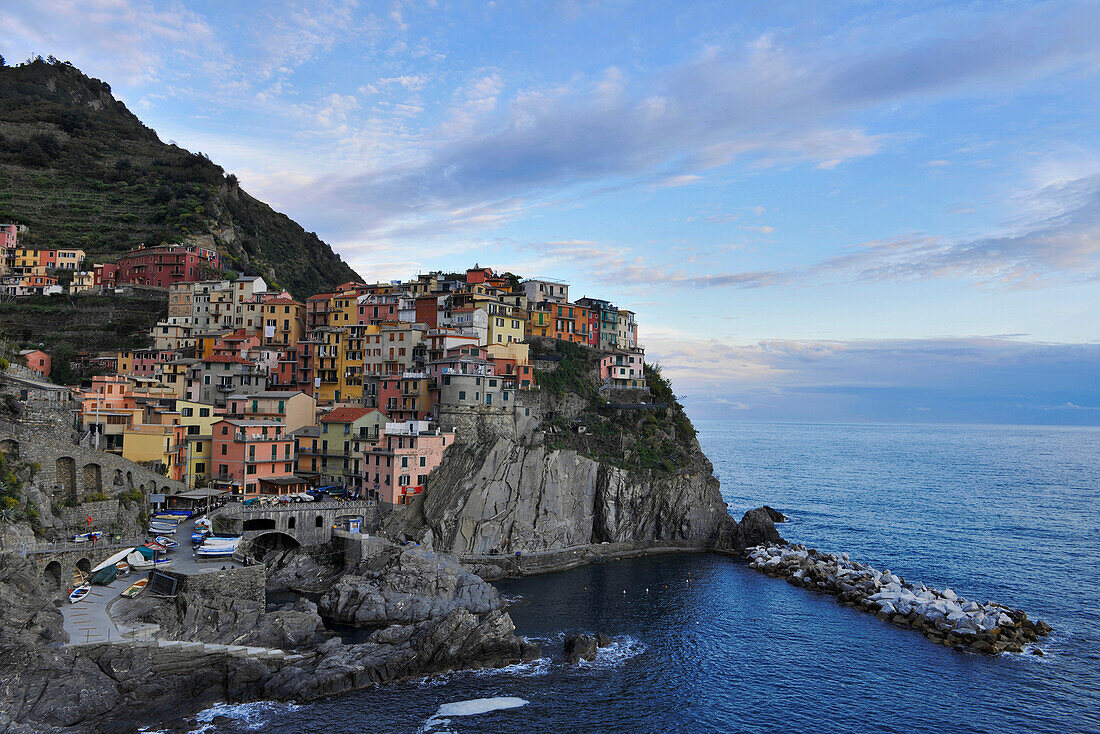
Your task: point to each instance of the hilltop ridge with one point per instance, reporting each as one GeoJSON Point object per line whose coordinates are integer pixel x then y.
{"type": "Point", "coordinates": [81, 170]}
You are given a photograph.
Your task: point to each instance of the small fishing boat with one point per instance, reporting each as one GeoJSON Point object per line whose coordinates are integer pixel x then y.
{"type": "Point", "coordinates": [140, 561]}
{"type": "Point", "coordinates": [156, 527]}
{"type": "Point", "coordinates": [78, 593]}
{"type": "Point", "coordinates": [203, 524]}
{"type": "Point", "coordinates": [122, 568]}
{"type": "Point", "coordinates": [168, 517]}
{"type": "Point", "coordinates": [217, 547]}
{"type": "Point", "coordinates": [134, 589]}
{"type": "Point", "coordinates": [162, 563]}
{"type": "Point", "coordinates": [198, 537]}
{"type": "Point", "coordinates": [85, 537]}
{"type": "Point", "coordinates": [168, 543]}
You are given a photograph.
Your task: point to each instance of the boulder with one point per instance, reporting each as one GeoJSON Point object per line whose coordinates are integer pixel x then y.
{"type": "Point", "coordinates": [581, 647]}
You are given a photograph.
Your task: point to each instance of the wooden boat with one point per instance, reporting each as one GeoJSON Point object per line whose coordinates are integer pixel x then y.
{"type": "Point", "coordinates": [122, 568]}
{"type": "Point", "coordinates": [134, 589]}
{"type": "Point", "coordinates": [162, 563]}
{"type": "Point", "coordinates": [78, 593]}
{"type": "Point", "coordinates": [162, 528]}
{"type": "Point", "coordinates": [156, 546]}
{"type": "Point", "coordinates": [139, 562]}
{"type": "Point", "coordinates": [168, 543]}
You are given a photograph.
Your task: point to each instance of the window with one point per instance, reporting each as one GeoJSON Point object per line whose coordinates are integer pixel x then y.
{"type": "Point", "coordinates": [461, 394]}
{"type": "Point", "coordinates": [288, 468]}
{"type": "Point", "coordinates": [224, 450]}
{"type": "Point", "coordinates": [423, 461]}
{"type": "Point", "coordinates": [251, 469]}
{"type": "Point", "coordinates": [200, 467]}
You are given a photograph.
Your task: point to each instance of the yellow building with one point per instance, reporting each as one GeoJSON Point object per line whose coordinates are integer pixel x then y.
{"type": "Point", "coordinates": [505, 326]}
{"type": "Point", "coordinates": [154, 443]}
{"type": "Point", "coordinates": [538, 322]}
{"type": "Point", "coordinates": [69, 259]}
{"type": "Point", "coordinates": [83, 282]}
{"type": "Point", "coordinates": [199, 455]}
{"type": "Point", "coordinates": [283, 321]}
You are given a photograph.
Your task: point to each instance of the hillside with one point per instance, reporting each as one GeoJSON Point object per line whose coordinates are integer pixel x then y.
{"type": "Point", "coordinates": [82, 171]}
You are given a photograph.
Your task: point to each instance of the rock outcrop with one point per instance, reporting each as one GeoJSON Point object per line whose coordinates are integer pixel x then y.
{"type": "Point", "coordinates": [407, 585]}
{"type": "Point", "coordinates": [584, 647]}
{"type": "Point", "coordinates": [525, 497]}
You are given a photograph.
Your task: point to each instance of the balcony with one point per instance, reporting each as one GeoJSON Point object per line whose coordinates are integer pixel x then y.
{"type": "Point", "coordinates": [258, 437]}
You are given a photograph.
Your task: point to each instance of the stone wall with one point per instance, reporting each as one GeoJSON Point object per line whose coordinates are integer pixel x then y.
{"type": "Point", "coordinates": [474, 424]}
{"type": "Point", "coordinates": [103, 514]}
{"type": "Point", "coordinates": [246, 582]}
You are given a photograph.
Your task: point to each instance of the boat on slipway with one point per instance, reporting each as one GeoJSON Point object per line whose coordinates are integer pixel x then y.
{"type": "Point", "coordinates": [134, 589]}
{"type": "Point", "coordinates": [79, 593]}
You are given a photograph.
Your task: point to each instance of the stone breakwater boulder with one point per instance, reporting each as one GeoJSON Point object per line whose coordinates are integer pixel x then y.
{"type": "Point", "coordinates": [584, 647]}
{"type": "Point", "coordinates": [942, 616]}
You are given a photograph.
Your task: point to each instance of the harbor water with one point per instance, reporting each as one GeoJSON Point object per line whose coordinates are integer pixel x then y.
{"type": "Point", "coordinates": [704, 644]}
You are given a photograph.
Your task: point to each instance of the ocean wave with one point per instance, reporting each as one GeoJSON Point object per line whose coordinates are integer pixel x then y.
{"type": "Point", "coordinates": [528, 669]}
{"type": "Point", "coordinates": [253, 716]}
{"type": "Point", "coordinates": [618, 652]}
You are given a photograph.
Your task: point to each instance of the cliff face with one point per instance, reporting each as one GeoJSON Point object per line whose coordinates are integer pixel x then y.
{"type": "Point", "coordinates": [528, 497]}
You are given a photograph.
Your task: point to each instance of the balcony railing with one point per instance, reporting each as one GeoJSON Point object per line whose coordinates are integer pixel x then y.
{"type": "Point", "coordinates": [259, 437]}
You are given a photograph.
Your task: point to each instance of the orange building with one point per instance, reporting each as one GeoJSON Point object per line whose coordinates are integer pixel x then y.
{"type": "Point", "coordinates": [246, 451]}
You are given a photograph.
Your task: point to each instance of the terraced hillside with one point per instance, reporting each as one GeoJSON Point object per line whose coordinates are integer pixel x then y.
{"type": "Point", "coordinates": [81, 170]}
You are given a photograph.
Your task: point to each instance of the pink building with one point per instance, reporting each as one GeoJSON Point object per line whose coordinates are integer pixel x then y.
{"type": "Point", "coordinates": [624, 368]}
{"type": "Point", "coordinates": [397, 469]}
{"type": "Point", "coordinates": [9, 236]}
{"type": "Point", "coordinates": [36, 360]}
{"type": "Point", "coordinates": [163, 266]}
{"type": "Point", "coordinates": [246, 451]}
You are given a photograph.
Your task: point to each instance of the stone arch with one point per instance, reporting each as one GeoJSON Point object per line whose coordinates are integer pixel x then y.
{"type": "Point", "coordinates": [259, 523]}
{"type": "Point", "coordinates": [84, 566]}
{"type": "Point", "coordinates": [66, 475]}
{"type": "Point", "coordinates": [93, 479]}
{"type": "Point", "coordinates": [52, 575]}
{"type": "Point", "coordinates": [129, 480]}
{"type": "Point", "coordinates": [118, 478]}
{"type": "Point", "coordinates": [319, 522]}
{"type": "Point", "coordinates": [274, 541]}
{"type": "Point", "coordinates": [9, 446]}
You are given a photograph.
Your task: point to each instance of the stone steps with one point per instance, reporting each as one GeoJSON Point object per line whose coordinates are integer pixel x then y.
{"type": "Point", "coordinates": [237, 651]}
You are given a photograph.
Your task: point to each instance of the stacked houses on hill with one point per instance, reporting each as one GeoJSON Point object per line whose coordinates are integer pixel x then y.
{"type": "Point", "coordinates": [359, 390]}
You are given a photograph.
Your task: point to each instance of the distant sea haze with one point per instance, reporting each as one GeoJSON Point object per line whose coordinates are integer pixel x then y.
{"type": "Point", "coordinates": [703, 644]}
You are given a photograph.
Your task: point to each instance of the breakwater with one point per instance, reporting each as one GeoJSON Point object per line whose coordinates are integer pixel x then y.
{"type": "Point", "coordinates": [942, 616]}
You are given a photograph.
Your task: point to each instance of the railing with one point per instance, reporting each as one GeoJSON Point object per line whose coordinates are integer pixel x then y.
{"type": "Point", "coordinates": [258, 437]}
{"type": "Point", "coordinates": [327, 505]}
{"type": "Point", "coordinates": [27, 549]}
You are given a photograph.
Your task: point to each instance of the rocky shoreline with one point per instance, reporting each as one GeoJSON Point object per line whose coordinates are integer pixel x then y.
{"type": "Point", "coordinates": [941, 616]}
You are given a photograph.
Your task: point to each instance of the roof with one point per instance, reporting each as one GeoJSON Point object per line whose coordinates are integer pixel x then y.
{"type": "Point", "coordinates": [281, 395]}
{"type": "Point", "coordinates": [200, 494]}
{"type": "Point", "coordinates": [220, 358]}
{"type": "Point", "coordinates": [285, 481]}
{"type": "Point", "coordinates": [346, 415]}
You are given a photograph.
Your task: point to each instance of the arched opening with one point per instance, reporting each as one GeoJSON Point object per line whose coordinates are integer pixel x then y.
{"type": "Point", "coordinates": [9, 446]}
{"type": "Point", "coordinates": [84, 567]}
{"type": "Point", "coordinates": [66, 476]}
{"type": "Point", "coordinates": [93, 479]}
{"type": "Point", "coordinates": [260, 523]}
{"type": "Point", "coordinates": [118, 478]}
{"type": "Point", "coordinates": [52, 574]}
{"type": "Point", "coordinates": [129, 480]}
{"type": "Point", "coordinates": [319, 522]}
{"type": "Point", "coordinates": [268, 542]}
{"type": "Point", "coordinates": [290, 523]}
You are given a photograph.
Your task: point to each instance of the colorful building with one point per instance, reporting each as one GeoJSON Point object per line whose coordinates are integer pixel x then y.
{"type": "Point", "coordinates": [37, 360]}
{"type": "Point", "coordinates": [164, 265]}
{"type": "Point", "coordinates": [397, 469]}
{"type": "Point", "coordinates": [246, 451]}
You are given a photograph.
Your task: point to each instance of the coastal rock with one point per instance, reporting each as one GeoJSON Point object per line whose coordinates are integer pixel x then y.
{"type": "Point", "coordinates": [943, 616]}
{"type": "Point", "coordinates": [26, 614]}
{"type": "Point", "coordinates": [404, 585]}
{"type": "Point", "coordinates": [512, 497]}
{"type": "Point", "coordinates": [456, 640]}
{"type": "Point", "coordinates": [299, 570]}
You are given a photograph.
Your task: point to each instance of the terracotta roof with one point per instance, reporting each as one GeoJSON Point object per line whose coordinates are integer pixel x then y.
{"type": "Point", "coordinates": [346, 415]}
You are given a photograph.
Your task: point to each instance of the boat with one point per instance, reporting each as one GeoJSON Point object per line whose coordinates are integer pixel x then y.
{"type": "Point", "coordinates": [79, 593]}
{"type": "Point", "coordinates": [111, 562]}
{"type": "Point", "coordinates": [162, 563]}
{"type": "Point", "coordinates": [217, 547]}
{"type": "Point", "coordinates": [182, 514]}
{"type": "Point", "coordinates": [134, 589]}
{"type": "Point", "coordinates": [168, 543]}
{"type": "Point", "coordinates": [169, 517]}
{"type": "Point", "coordinates": [85, 537]}
{"type": "Point", "coordinates": [141, 559]}
{"type": "Point", "coordinates": [156, 527]}
{"type": "Point", "coordinates": [155, 546]}
{"type": "Point", "coordinates": [198, 537]}
{"type": "Point", "coordinates": [203, 524]}
{"type": "Point", "coordinates": [122, 568]}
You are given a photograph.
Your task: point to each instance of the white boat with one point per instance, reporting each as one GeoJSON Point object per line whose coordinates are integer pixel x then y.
{"type": "Point", "coordinates": [162, 563]}
{"type": "Point", "coordinates": [173, 519]}
{"type": "Point", "coordinates": [113, 560]}
{"type": "Point", "coordinates": [139, 562]}
{"type": "Point", "coordinates": [217, 547]}
{"type": "Point", "coordinates": [85, 537]}
{"type": "Point", "coordinates": [78, 593]}
{"type": "Point", "coordinates": [168, 543]}
{"type": "Point", "coordinates": [202, 524]}
{"type": "Point", "coordinates": [161, 529]}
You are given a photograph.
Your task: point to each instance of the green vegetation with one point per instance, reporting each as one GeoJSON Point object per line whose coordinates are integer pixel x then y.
{"type": "Point", "coordinates": [96, 497]}
{"type": "Point", "coordinates": [651, 439]}
{"type": "Point", "coordinates": [64, 326]}
{"type": "Point", "coordinates": [82, 171]}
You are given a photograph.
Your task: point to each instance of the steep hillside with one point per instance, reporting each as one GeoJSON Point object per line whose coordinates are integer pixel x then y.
{"type": "Point", "coordinates": [81, 170]}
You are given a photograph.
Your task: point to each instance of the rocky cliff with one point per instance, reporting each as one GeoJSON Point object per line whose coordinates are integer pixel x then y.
{"type": "Point", "coordinates": [577, 469]}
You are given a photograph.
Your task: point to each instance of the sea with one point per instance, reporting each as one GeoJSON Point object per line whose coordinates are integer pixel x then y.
{"type": "Point", "coordinates": [702, 643]}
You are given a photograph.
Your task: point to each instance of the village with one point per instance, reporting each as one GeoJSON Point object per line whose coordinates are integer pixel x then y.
{"type": "Point", "coordinates": [354, 393]}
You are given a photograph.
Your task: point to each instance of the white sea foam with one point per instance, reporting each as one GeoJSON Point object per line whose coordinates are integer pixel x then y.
{"type": "Point", "coordinates": [531, 668]}
{"type": "Point", "coordinates": [254, 716]}
{"type": "Point", "coordinates": [618, 652]}
{"type": "Point", "coordinates": [472, 707]}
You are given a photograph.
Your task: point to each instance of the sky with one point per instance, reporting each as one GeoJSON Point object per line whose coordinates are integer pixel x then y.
{"type": "Point", "coordinates": [842, 211]}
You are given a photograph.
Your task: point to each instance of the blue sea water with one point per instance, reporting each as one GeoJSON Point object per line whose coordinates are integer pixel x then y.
{"type": "Point", "coordinates": [704, 644]}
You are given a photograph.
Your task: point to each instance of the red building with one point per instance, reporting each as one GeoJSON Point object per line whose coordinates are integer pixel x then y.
{"type": "Point", "coordinates": [162, 266]}
{"type": "Point", "coordinates": [247, 451]}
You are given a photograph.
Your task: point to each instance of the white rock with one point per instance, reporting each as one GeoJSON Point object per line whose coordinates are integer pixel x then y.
{"type": "Point", "coordinates": [949, 594]}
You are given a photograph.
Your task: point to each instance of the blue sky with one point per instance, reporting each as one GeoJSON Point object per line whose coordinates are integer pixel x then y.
{"type": "Point", "coordinates": [820, 211]}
